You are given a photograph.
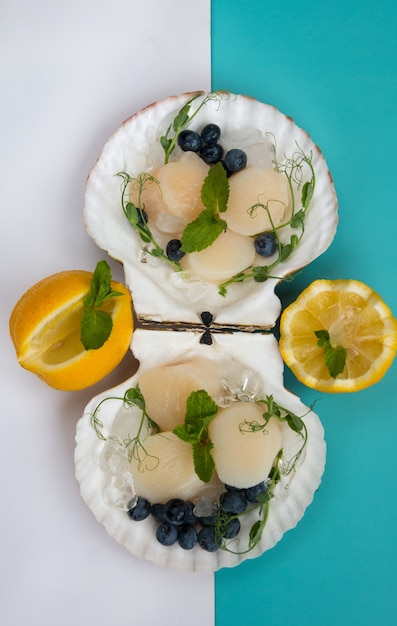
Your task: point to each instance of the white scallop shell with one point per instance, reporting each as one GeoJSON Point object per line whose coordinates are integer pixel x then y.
{"type": "Point", "coordinates": [255, 352]}
{"type": "Point", "coordinates": [159, 293]}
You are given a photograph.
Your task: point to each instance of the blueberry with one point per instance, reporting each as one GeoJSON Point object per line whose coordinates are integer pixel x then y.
{"type": "Point", "coordinates": [187, 537]}
{"type": "Point", "coordinates": [231, 488]}
{"type": "Point", "coordinates": [211, 153]}
{"type": "Point", "coordinates": [140, 511]}
{"type": "Point", "coordinates": [176, 511]}
{"type": "Point", "coordinates": [265, 244]}
{"type": "Point", "coordinates": [211, 133]}
{"type": "Point", "coordinates": [142, 216]}
{"type": "Point", "coordinates": [252, 492]}
{"type": "Point", "coordinates": [228, 172]}
{"type": "Point", "coordinates": [206, 539]}
{"type": "Point", "coordinates": [209, 520]}
{"type": "Point", "coordinates": [231, 528]}
{"type": "Point", "coordinates": [190, 141]}
{"type": "Point", "coordinates": [157, 511]}
{"type": "Point", "coordinates": [167, 534]}
{"type": "Point", "coordinates": [235, 160]}
{"type": "Point", "coordinates": [173, 250]}
{"type": "Point", "coordinates": [233, 502]}
{"type": "Point", "coordinates": [191, 518]}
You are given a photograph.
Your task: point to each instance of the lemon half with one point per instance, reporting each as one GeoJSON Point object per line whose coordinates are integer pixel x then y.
{"type": "Point", "coordinates": [45, 330]}
{"type": "Point", "coordinates": [356, 320]}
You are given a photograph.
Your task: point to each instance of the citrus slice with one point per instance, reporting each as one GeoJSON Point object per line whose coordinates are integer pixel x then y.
{"type": "Point", "coordinates": [45, 329]}
{"type": "Point", "coordinates": [338, 336]}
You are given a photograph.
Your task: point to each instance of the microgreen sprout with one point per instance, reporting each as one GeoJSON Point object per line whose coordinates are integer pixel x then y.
{"type": "Point", "coordinates": [181, 120]}
{"type": "Point", "coordinates": [208, 225]}
{"type": "Point", "coordinates": [135, 214]}
{"type": "Point", "coordinates": [294, 168]}
{"type": "Point", "coordinates": [262, 507]}
{"type": "Point", "coordinates": [280, 467]}
{"type": "Point", "coordinates": [136, 448]}
{"type": "Point", "coordinates": [283, 415]}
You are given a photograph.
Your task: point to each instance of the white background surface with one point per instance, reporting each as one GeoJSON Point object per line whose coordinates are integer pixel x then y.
{"type": "Point", "coordinates": [71, 72]}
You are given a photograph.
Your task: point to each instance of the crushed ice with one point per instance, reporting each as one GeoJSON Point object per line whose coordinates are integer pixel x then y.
{"type": "Point", "coordinates": [119, 490]}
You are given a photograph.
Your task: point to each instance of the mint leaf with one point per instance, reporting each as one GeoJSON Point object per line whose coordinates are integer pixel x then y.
{"type": "Point", "coordinates": [215, 190]}
{"type": "Point", "coordinates": [323, 338]}
{"type": "Point", "coordinates": [206, 228]}
{"type": "Point", "coordinates": [200, 410]}
{"type": "Point", "coordinates": [200, 406]}
{"type": "Point", "coordinates": [100, 286]}
{"type": "Point", "coordinates": [202, 232]}
{"type": "Point", "coordinates": [204, 464]}
{"type": "Point", "coordinates": [183, 433]}
{"type": "Point", "coordinates": [96, 326]}
{"type": "Point", "coordinates": [335, 359]}
{"type": "Point", "coordinates": [335, 356]}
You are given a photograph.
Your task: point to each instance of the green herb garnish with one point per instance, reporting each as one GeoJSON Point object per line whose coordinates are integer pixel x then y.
{"type": "Point", "coordinates": [132, 397]}
{"type": "Point", "coordinates": [136, 216]}
{"type": "Point", "coordinates": [206, 228]}
{"type": "Point", "coordinates": [262, 506]}
{"type": "Point", "coordinates": [200, 410]}
{"type": "Point", "coordinates": [180, 121]}
{"type": "Point", "coordinates": [335, 356]}
{"type": "Point", "coordinates": [280, 467]}
{"type": "Point", "coordinates": [294, 168]}
{"type": "Point", "coordinates": [281, 414]}
{"type": "Point", "coordinates": [256, 530]}
{"type": "Point", "coordinates": [96, 324]}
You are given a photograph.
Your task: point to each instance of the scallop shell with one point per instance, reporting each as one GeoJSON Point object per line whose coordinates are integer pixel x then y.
{"type": "Point", "coordinates": [254, 353]}
{"type": "Point", "coordinates": [159, 293]}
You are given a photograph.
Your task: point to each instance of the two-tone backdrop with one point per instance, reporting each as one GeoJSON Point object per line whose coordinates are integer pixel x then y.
{"type": "Point", "coordinates": [70, 73]}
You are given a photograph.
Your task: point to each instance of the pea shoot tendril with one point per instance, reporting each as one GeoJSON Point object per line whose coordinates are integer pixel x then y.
{"type": "Point", "coordinates": [135, 214]}
{"type": "Point", "coordinates": [135, 446]}
{"type": "Point", "coordinates": [294, 168]}
{"type": "Point", "coordinates": [298, 169]}
{"type": "Point", "coordinates": [280, 468]}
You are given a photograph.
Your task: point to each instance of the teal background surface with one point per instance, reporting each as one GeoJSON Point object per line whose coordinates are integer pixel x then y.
{"type": "Point", "coordinates": [332, 67]}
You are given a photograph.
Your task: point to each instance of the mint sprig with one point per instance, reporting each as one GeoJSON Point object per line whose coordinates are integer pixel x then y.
{"type": "Point", "coordinates": [96, 324]}
{"type": "Point", "coordinates": [200, 410]}
{"type": "Point", "coordinates": [335, 356]}
{"type": "Point", "coordinates": [206, 228]}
